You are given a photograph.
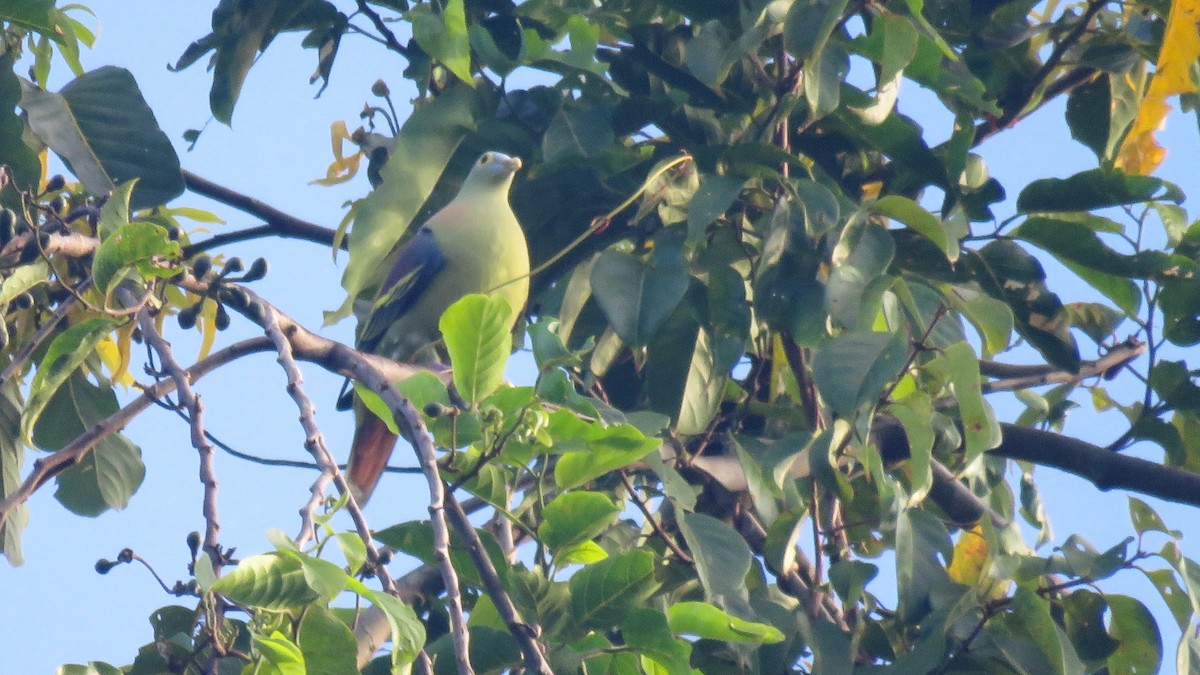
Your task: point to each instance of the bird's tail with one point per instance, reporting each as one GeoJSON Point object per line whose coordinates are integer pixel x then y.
{"type": "Point", "coordinates": [369, 454]}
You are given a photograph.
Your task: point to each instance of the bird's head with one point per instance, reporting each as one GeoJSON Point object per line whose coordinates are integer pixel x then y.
{"type": "Point", "coordinates": [492, 170]}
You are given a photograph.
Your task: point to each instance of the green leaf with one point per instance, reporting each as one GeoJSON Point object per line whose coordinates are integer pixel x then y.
{"type": "Point", "coordinates": [270, 580]}
{"type": "Point", "coordinates": [408, 633]}
{"type": "Point", "coordinates": [959, 365]}
{"type": "Point", "coordinates": [106, 478]}
{"type": "Point", "coordinates": [575, 517]}
{"type": "Point", "coordinates": [850, 578]}
{"type": "Point", "coordinates": [918, 219]}
{"type": "Point", "coordinates": [992, 318]}
{"type": "Point", "coordinates": [808, 25]}
{"type": "Point", "coordinates": [104, 131]}
{"type": "Point", "coordinates": [914, 413]}
{"type": "Point", "coordinates": [278, 655]}
{"type": "Point", "coordinates": [1077, 243]}
{"type": "Point", "coordinates": [823, 77]}
{"type": "Point", "coordinates": [1134, 627]}
{"type": "Point", "coordinates": [1088, 114]}
{"type": "Point", "coordinates": [377, 406]}
{"type": "Point", "coordinates": [1083, 622]}
{"type": "Point", "coordinates": [478, 337]}
{"type": "Point", "coordinates": [713, 198]}
{"type": "Point", "coordinates": [861, 257]}
{"type": "Point", "coordinates": [576, 132]}
{"type": "Point", "coordinates": [646, 630]}
{"type": "Point", "coordinates": [604, 593]}
{"type": "Point", "coordinates": [145, 246]}
{"type": "Point", "coordinates": [433, 132]}
{"type": "Point", "coordinates": [598, 450]}
{"type": "Point", "coordinates": [12, 460]}
{"type": "Point", "coordinates": [21, 159]}
{"type": "Point", "coordinates": [22, 279]}
{"type": "Point", "coordinates": [33, 14]}
{"type": "Point", "coordinates": [1095, 189]}
{"type": "Point", "coordinates": [68, 350]}
{"type": "Point", "coordinates": [444, 36]}
{"type": "Point", "coordinates": [852, 369]}
{"type": "Point", "coordinates": [706, 621]}
{"type": "Point", "coordinates": [416, 539]}
{"type": "Point", "coordinates": [327, 644]}
{"type": "Point", "coordinates": [1146, 519]}
{"type": "Point", "coordinates": [637, 295]}
{"type": "Point", "coordinates": [920, 538]}
{"type": "Point", "coordinates": [723, 558]}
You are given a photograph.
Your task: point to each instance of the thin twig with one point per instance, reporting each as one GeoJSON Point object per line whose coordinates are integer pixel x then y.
{"type": "Point", "coordinates": [191, 402]}
{"type": "Point", "coordinates": [56, 462]}
{"type": "Point", "coordinates": [654, 525]}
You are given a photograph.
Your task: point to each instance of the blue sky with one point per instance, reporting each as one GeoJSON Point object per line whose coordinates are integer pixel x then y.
{"type": "Point", "coordinates": [59, 610]}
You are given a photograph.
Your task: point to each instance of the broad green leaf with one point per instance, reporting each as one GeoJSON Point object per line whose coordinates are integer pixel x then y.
{"type": "Point", "coordinates": [818, 206]}
{"type": "Point", "coordinates": [583, 553]}
{"type": "Point", "coordinates": [1083, 622]}
{"type": "Point", "coordinates": [115, 212]}
{"type": "Point", "coordinates": [408, 633]}
{"type": "Point", "coordinates": [959, 365]}
{"type": "Point", "coordinates": [575, 517]}
{"type": "Point", "coordinates": [433, 132]}
{"type": "Point", "coordinates": [37, 15]}
{"type": "Point", "coordinates": [353, 550]}
{"type": "Point", "coordinates": [68, 350]}
{"type": "Point", "coordinates": [850, 578]}
{"type": "Point", "coordinates": [604, 593]}
{"type": "Point", "coordinates": [647, 631]}
{"type": "Point", "coordinates": [1075, 242]}
{"type": "Point", "coordinates": [722, 556]}
{"type": "Point", "coordinates": [22, 161]}
{"type": "Point", "coordinates": [270, 580]}
{"type": "Point", "coordinates": [22, 279]}
{"type": "Point", "coordinates": [920, 539]}
{"type": "Point", "coordinates": [1094, 189]}
{"type": "Point", "coordinates": [376, 405]}
{"type": "Point", "coordinates": [327, 643]}
{"type": "Point", "coordinates": [992, 318]}
{"type": "Point", "coordinates": [444, 36]}
{"type": "Point", "coordinates": [1089, 115]}
{"type": "Point", "coordinates": [861, 256]}
{"type": "Point", "coordinates": [477, 332]}
{"type": "Point", "coordinates": [600, 450]}
{"type": "Point", "coordinates": [144, 246]}
{"type": "Point", "coordinates": [823, 78]}
{"type": "Point", "coordinates": [416, 539]}
{"type": "Point", "coordinates": [106, 478]}
{"type": "Point", "coordinates": [715, 196]}
{"type": "Point", "coordinates": [637, 295]}
{"type": "Point", "coordinates": [703, 389]}
{"type": "Point", "coordinates": [706, 621]}
{"type": "Point", "coordinates": [278, 655]}
{"type": "Point", "coordinates": [853, 369]}
{"type": "Point", "coordinates": [1146, 519]}
{"type": "Point", "coordinates": [101, 127]}
{"type": "Point", "coordinates": [809, 24]}
{"type": "Point", "coordinates": [577, 132]}
{"type": "Point", "coordinates": [914, 413]}
{"type": "Point", "coordinates": [918, 219]}
{"type": "Point", "coordinates": [899, 44]}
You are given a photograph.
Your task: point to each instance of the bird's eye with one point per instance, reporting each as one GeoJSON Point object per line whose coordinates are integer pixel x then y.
{"type": "Point", "coordinates": [487, 157]}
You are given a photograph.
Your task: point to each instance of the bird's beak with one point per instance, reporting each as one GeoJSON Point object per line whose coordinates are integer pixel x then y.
{"type": "Point", "coordinates": [514, 164]}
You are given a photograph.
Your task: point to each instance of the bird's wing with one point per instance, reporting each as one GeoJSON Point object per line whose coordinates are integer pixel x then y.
{"type": "Point", "coordinates": [417, 264]}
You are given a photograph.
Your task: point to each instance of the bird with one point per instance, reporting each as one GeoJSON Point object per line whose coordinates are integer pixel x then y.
{"type": "Point", "coordinates": [474, 244]}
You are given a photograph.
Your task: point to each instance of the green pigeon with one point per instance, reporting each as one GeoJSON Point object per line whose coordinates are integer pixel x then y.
{"type": "Point", "coordinates": [473, 245]}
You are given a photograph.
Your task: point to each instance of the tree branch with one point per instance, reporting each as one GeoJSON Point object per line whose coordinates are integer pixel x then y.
{"type": "Point", "coordinates": [51, 465]}
{"type": "Point", "coordinates": [1023, 376]}
{"type": "Point", "coordinates": [277, 223]}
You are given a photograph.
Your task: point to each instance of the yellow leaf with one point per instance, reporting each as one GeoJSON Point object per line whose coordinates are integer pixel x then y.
{"type": "Point", "coordinates": [115, 355]}
{"type": "Point", "coordinates": [1140, 153]}
{"type": "Point", "coordinates": [206, 323]}
{"type": "Point", "coordinates": [342, 168]}
{"type": "Point", "coordinates": [970, 554]}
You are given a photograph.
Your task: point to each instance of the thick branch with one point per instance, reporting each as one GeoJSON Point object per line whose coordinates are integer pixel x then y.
{"type": "Point", "coordinates": [277, 223]}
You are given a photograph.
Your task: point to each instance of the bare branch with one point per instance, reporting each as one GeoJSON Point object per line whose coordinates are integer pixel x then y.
{"type": "Point", "coordinates": [277, 222]}
{"type": "Point", "coordinates": [56, 462]}
{"type": "Point", "coordinates": [190, 402]}
{"type": "Point", "coordinates": [1023, 377]}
